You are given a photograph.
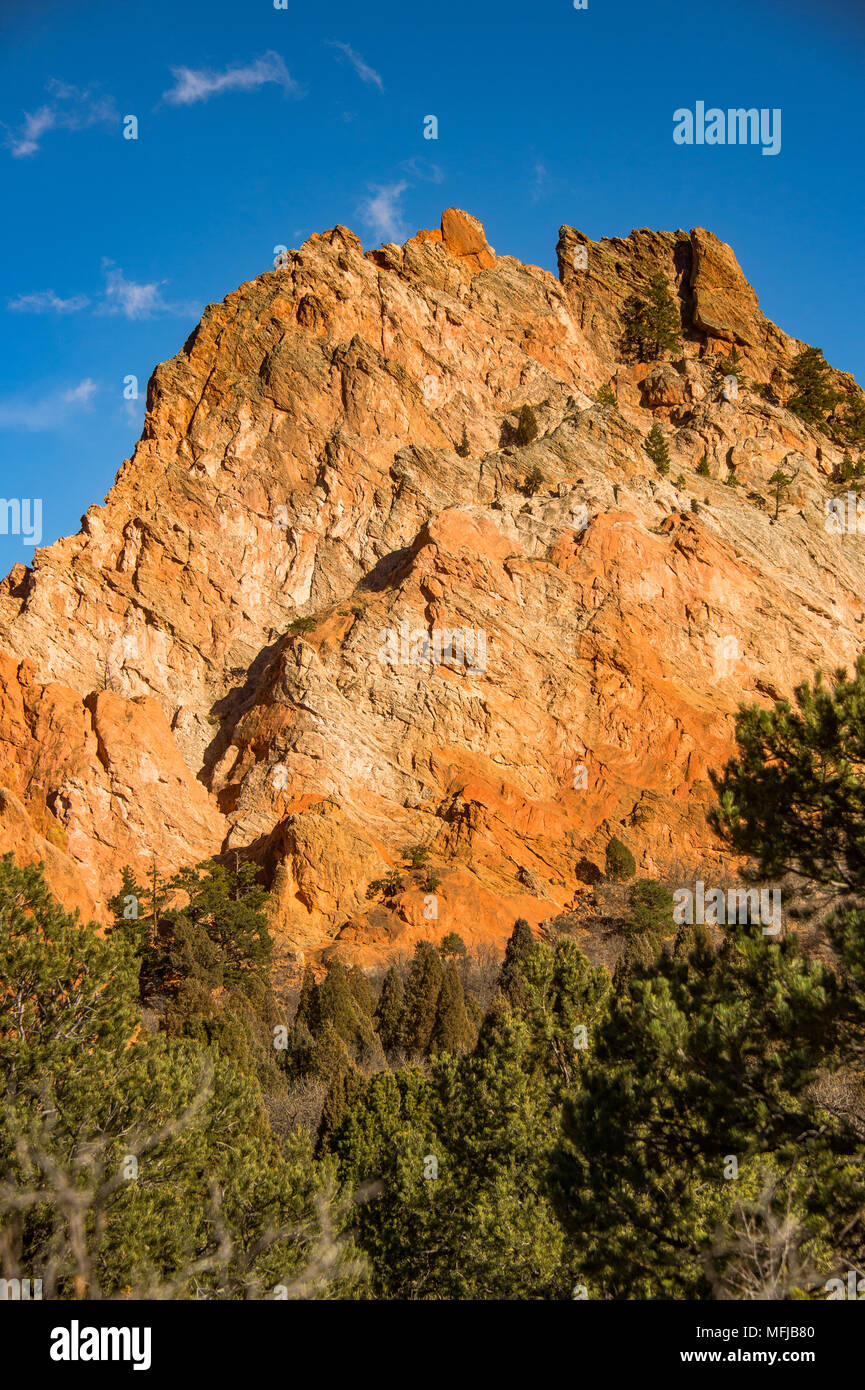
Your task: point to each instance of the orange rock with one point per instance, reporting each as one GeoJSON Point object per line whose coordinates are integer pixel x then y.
{"type": "Point", "coordinates": [464, 237]}
{"type": "Point", "coordinates": [19, 838]}
{"type": "Point", "coordinates": [306, 627]}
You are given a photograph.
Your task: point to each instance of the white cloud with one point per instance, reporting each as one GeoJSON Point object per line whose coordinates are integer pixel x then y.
{"type": "Point", "coordinates": [70, 109]}
{"type": "Point", "coordinates": [423, 169]}
{"type": "Point", "coordinates": [80, 394]}
{"type": "Point", "coordinates": [363, 70]}
{"type": "Point", "coordinates": [120, 296]}
{"type": "Point", "coordinates": [48, 411]}
{"type": "Point", "coordinates": [128, 298]}
{"type": "Point", "coordinates": [382, 213]}
{"type": "Point", "coordinates": [47, 302]}
{"type": "Point", "coordinates": [200, 84]}
{"type": "Point", "coordinates": [540, 183]}
{"type": "Point", "coordinates": [138, 301]}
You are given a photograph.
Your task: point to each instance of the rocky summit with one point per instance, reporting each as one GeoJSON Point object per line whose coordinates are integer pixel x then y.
{"type": "Point", "coordinates": [352, 611]}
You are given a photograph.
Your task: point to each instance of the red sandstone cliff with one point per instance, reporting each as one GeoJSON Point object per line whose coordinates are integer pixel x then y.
{"type": "Point", "coordinates": [300, 461]}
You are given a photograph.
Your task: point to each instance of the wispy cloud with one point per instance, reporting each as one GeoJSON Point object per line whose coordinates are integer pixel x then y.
{"type": "Point", "coordinates": [70, 108]}
{"type": "Point", "coordinates": [128, 298]}
{"type": "Point", "coordinates": [381, 211]}
{"type": "Point", "coordinates": [81, 394]}
{"type": "Point", "coordinates": [423, 169]}
{"type": "Point", "coordinates": [120, 296]}
{"type": "Point", "coordinates": [200, 84]}
{"type": "Point", "coordinates": [46, 411]}
{"type": "Point", "coordinates": [540, 180]}
{"type": "Point", "coordinates": [363, 69]}
{"type": "Point", "coordinates": [47, 302]}
{"type": "Point", "coordinates": [137, 301]}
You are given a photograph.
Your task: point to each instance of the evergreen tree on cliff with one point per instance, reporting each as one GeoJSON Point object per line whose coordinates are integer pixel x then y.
{"type": "Point", "coordinates": [652, 325]}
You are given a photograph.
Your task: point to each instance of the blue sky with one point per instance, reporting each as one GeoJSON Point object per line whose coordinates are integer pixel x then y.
{"type": "Point", "coordinates": [258, 126]}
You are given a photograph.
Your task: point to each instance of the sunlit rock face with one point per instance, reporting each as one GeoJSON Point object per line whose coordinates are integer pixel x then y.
{"type": "Point", "coordinates": [339, 602]}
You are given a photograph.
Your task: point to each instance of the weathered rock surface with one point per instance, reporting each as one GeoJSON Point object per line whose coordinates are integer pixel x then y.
{"type": "Point", "coordinates": [246, 648]}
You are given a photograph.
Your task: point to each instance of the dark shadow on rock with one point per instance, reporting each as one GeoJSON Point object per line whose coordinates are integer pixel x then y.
{"type": "Point", "coordinates": [235, 703]}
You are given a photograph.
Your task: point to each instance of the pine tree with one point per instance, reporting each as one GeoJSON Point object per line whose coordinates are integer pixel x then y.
{"type": "Point", "coordinates": [329, 1054]}
{"type": "Point", "coordinates": [701, 1058]}
{"type": "Point", "coordinates": [480, 1223]}
{"type": "Point", "coordinates": [452, 944]}
{"type": "Point", "coordinates": [345, 1087]}
{"type": "Point", "coordinates": [361, 990]}
{"type": "Point", "coordinates": [657, 449]}
{"type": "Point", "coordinates": [650, 908]}
{"type": "Point", "coordinates": [338, 1008]}
{"type": "Point", "coordinates": [102, 1157]}
{"type": "Point", "coordinates": [384, 1137]}
{"type": "Point", "coordinates": [307, 1014]}
{"type": "Point", "coordinates": [335, 1001]}
{"type": "Point", "coordinates": [421, 998]}
{"type": "Point", "coordinates": [518, 953]}
{"type": "Point", "coordinates": [652, 325]}
{"type": "Point", "coordinates": [794, 796]}
{"type": "Point", "coordinates": [728, 1041]}
{"type": "Point", "coordinates": [222, 930]}
{"type": "Point", "coordinates": [845, 471]}
{"type": "Point", "coordinates": [779, 486]}
{"type": "Point", "coordinates": [451, 1031]}
{"type": "Point", "coordinates": [391, 1011]}
{"type": "Point", "coordinates": [814, 396]}
{"type": "Point", "coordinates": [851, 427]}
{"type": "Point", "coordinates": [464, 448]}
{"type": "Point", "coordinates": [731, 366]}
{"type": "Point", "coordinates": [128, 912]}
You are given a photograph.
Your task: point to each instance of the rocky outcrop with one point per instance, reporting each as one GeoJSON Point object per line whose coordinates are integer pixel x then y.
{"type": "Point", "coordinates": [19, 837]}
{"type": "Point", "coordinates": [463, 238]}
{"type": "Point", "coordinates": [322, 618]}
{"type": "Point", "coordinates": [725, 306]}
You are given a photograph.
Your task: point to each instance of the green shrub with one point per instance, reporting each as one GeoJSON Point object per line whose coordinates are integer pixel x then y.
{"type": "Point", "coordinates": [621, 864]}
{"type": "Point", "coordinates": [452, 945]}
{"type": "Point", "coordinates": [533, 482]}
{"type": "Point", "coordinates": [731, 366]}
{"type": "Point", "coordinates": [656, 448]}
{"type": "Point", "coordinates": [527, 426]}
{"type": "Point", "coordinates": [650, 906]}
{"type": "Point", "coordinates": [605, 395]}
{"type": "Point", "coordinates": [387, 887]}
{"type": "Point", "coordinates": [417, 855]}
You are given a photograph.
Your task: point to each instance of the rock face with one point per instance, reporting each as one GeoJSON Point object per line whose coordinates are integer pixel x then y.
{"type": "Point", "coordinates": [322, 617]}
{"type": "Point", "coordinates": [725, 306]}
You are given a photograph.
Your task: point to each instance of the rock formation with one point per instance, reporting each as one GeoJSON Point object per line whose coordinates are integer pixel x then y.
{"type": "Point", "coordinates": [323, 615]}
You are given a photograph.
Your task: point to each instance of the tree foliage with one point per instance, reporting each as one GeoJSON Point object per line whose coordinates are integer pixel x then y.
{"type": "Point", "coordinates": [651, 324]}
